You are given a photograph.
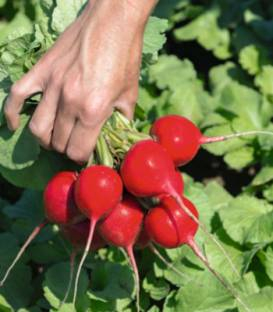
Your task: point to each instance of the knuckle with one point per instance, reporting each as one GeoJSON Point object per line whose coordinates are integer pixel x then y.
{"type": "Point", "coordinates": [69, 94]}
{"type": "Point", "coordinates": [36, 130]}
{"type": "Point", "coordinates": [56, 79]}
{"type": "Point", "coordinates": [58, 146]}
{"type": "Point", "coordinates": [8, 111]}
{"type": "Point", "coordinates": [75, 155]}
{"type": "Point", "coordinates": [17, 89]}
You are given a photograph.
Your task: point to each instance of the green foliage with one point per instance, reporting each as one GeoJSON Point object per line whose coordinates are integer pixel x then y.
{"type": "Point", "coordinates": [226, 88]}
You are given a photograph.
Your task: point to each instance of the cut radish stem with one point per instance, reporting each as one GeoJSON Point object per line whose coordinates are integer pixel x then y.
{"type": "Point", "coordinates": [179, 229]}
{"type": "Point", "coordinates": [71, 274]}
{"type": "Point", "coordinates": [31, 237]}
{"type": "Point", "coordinates": [98, 190]}
{"type": "Point", "coordinates": [121, 228]}
{"type": "Point", "coordinates": [182, 139]}
{"type": "Point", "coordinates": [147, 170]}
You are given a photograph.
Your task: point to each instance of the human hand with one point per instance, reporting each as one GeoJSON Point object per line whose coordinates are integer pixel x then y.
{"type": "Point", "coordinates": [92, 69]}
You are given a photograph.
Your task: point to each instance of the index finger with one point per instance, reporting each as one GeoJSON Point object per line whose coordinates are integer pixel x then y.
{"type": "Point", "coordinates": [20, 90]}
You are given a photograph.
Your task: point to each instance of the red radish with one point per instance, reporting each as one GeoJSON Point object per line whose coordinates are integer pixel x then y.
{"type": "Point", "coordinates": [182, 139]}
{"type": "Point", "coordinates": [121, 228]}
{"type": "Point", "coordinates": [170, 227]}
{"type": "Point", "coordinates": [177, 226]}
{"type": "Point", "coordinates": [77, 235]}
{"type": "Point", "coordinates": [147, 170]}
{"type": "Point", "coordinates": [97, 191]}
{"type": "Point", "coordinates": [59, 208]}
{"type": "Point", "coordinates": [178, 183]}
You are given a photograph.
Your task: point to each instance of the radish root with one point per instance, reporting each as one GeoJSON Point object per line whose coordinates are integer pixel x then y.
{"type": "Point", "coordinates": [136, 275]}
{"type": "Point", "coordinates": [71, 274]}
{"type": "Point", "coordinates": [208, 140]}
{"type": "Point", "coordinates": [85, 253]}
{"type": "Point", "coordinates": [31, 237]}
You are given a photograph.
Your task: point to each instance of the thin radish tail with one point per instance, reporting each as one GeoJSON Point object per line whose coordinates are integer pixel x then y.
{"type": "Point", "coordinates": [179, 200]}
{"type": "Point", "coordinates": [225, 284]}
{"type": "Point", "coordinates": [208, 140]}
{"type": "Point", "coordinates": [31, 237]}
{"type": "Point", "coordinates": [71, 274]}
{"type": "Point", "coordinates": [155, 251]}
{"type": "Point", "coordinates": [85, 253]}
{"type": "Point", "coordinates": [130, 253]}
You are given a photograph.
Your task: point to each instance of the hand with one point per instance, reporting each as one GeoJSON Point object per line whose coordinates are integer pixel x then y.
{"type": "Point", "coordinates": [92, 68]}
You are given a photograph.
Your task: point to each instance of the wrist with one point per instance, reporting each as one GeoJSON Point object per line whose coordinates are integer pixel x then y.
{"type": "Point", "coordinates": [140, 10]}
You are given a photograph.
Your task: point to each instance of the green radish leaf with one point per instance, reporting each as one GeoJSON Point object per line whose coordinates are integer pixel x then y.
{"type": "Point", "coordinates": [265, 175]}
{"type": "Point", "coordinates": [212, 297]}
{"type": "Point", "coordinates": [268, 193]}
{"type": "Point", "coordinates": [20, 149]}
{"type": "Point", "coordinates": [249, 58]}
{"type": "Point", "coordinates": [267, 260]}
{"type": "Point", "coordinates": [222, 75]}
{"type": "Point", "coordinates": [4, 305]}
{"type": "Point", "coordinates": [156, 288]}
{"type": "Point", "coordinates": [154, 37]}
{"type": "Point", "coordinates": [240, 158]}
{"type": "Point", "coordinates": [170, 72]}
{"type": "Point", "coordinates": [55, 285]}
{"type": "Point", "coordinates": [65, 13]}
{"type": "Point", "coordinates": [248, 220]}
{"type": "Point", "coordinates": [112, 281]}
{"type": "Point", "coordinates": [205, 29]}
{"type": "Point", "coordinates": [264, 80]}
{"type": "Point", "coordinates": [260, 302]}
{"type": "Point", "coordinates": [40, 172]}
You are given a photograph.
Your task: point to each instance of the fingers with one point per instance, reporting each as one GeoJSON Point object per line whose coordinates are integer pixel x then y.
{"type": "Point", "coordinates": [64, 123]}
{"type": "Point", "coordinates": [20, 91]}
{"type": "Point", "coordinates": [82, 142]}
{"type": "Point", "coordinates": [42, 121]}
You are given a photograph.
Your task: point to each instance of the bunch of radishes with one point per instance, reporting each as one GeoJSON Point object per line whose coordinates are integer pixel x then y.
{"type": "Point", "coordinates": [103, 204]}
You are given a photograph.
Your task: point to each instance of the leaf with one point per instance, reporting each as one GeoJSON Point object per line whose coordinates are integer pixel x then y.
{"type": "Point", "coordinates": [264, 80]}
{"type": "Point", "coordinates": [268, 261]}
{"type": "Point", "coordinates": [212, 297]}
{"type": "Point", "coordinates": [222, 75]}
{"type": "Point", "coordinates": [268, 193]}
{"type": "Point", "coordinates": [20, 149]}
{"type": "Point", "coordinates": [154, 37]}
{"type": "Point", "coordinates": [156, 288]}
{"type": "Point", "coordinates": [29, 207]}
{"type": "Point", "coordinates": [248, 220]}
{"type": "Point", "coordinates": [111, 281]}
{"type": "Point", "coordinates": [17, 289]}
{"type": "Point", "coordinates": [219, 262]}
{"type": "Point", "coordinates": [40, 172]}
{"type": "Point", "coordinates": [260, 302]}
{"type": "Point", "coordinates": [170, 72]}
{"type": "Point", "coordinates": [55, 285]}
{"type": "Point", "coordinates": [206, 31]}
{"type": "Point", "coordinates": [240, 158]}
{"type": "Point", "coordinates": [249, 59]}
{"type": "Point", "coordinates": [4, 305]}
{"type": "Point", "coordinates": [265, 175]}
{"type": "Point", "coordinates": [65, 13]}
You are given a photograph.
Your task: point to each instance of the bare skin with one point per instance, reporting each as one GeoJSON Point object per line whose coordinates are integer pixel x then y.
{"type": "Point", "coordinates": [92, 69]}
